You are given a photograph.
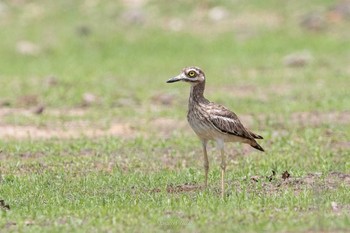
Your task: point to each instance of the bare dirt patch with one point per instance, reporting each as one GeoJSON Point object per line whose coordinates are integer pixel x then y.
{"type": "Point", "coordinates": [75, 126]}
{"type": "Point", "coordinates": [166, 126]}
{"type": "Point", "coordinates": [162, 126]}
{"type": "Point", "coordinates": [183, 188]}
{"type": "Point", "coordinates": [72, 130]}
{"type": "Point", "coordinates": [300, 119]}
{"type": "Point", "coordinates": [275, 183]}
{"type": "Point", "coordinates": [340, 146]}
{"type": "Point", "coordinates": [69, 129]}
{"type": "Point", "coordinates": [318, 118]}
{"type": "Point", "coordinates": [70, 112]}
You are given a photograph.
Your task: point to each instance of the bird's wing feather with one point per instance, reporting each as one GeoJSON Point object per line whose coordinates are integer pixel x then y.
{"type": "Point", "coordinates": [227, 121]}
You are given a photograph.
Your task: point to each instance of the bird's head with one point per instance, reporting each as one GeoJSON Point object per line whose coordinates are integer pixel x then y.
{"type": "Point", "coordinates": [192, 75]}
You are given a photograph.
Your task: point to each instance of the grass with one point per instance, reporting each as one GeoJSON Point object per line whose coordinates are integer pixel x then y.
{"type": "Point", "coordinates": [148, 178]}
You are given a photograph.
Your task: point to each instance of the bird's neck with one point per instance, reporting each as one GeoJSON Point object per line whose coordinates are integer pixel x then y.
{"type": "Point", "coordinates": [196, 94]}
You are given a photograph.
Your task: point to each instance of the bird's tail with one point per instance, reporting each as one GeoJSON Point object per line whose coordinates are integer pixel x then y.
{"type": "Point", "coordinates": [256, 136]}
{"type": "Point", "coordinates": [255, 145]}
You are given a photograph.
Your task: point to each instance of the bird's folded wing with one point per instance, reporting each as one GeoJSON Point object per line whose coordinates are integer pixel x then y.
{"type": "Point", "coordinates": [228, 122]}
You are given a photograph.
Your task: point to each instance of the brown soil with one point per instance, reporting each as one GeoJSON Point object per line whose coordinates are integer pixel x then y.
{"type": "Point", "coordinates": [318, 118]}
{"type": "Point", "coordinates": [162, 126]}
{"type": "Point", "coordinates": [73, 130]}
{"type": "Point", "coordinates": [273, 184]}
{"type": "Point", "coordinates": [183, 188]}
{"type": "Point", "coordinates": [312, 181]}
{"type": "Point", "coordinates": [68, 129]}
{"type": "Point", "coordinates": [179, 188]}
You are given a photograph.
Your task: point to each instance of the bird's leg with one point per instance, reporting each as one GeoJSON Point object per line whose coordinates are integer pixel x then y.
{"type": "Point", "coordinates": [206, 161]}
{"type": "Point", "coordinates": [223, 168]}
{"type": "Point", "coordinates": [220, 144]}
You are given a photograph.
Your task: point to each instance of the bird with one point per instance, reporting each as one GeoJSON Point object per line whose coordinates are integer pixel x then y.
{"type": "Point", "coordinates": [212, 122]}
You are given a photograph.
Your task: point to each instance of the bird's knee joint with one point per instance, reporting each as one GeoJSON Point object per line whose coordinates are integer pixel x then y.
{"type": "Point", "coordinates": [223, 166]}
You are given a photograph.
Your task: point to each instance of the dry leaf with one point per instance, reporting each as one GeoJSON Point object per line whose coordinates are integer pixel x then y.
{"type": "Point", "coordinates": [285, 175]}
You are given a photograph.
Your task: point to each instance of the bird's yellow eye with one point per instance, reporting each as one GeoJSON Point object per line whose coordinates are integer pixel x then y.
{"type": "Point", "coordinates": [192, 74]}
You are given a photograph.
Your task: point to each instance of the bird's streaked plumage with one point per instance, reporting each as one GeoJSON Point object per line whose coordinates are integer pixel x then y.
{"type": "Point", "coordinates": [211, 121]}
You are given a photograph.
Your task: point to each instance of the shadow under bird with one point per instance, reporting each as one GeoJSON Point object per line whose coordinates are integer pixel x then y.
{"type": "Point", "coordinates": [211, 121]}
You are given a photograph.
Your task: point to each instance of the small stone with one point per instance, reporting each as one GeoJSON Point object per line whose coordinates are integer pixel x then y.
{"type": "Point", "coordinates": [334, 206]}
{"type": "Point", "coordinates": [285, 175]}
{"type": "Point", "coordinates": [27, 48]}
{"type": "Point", "coordinates": [314, 21]}
{"type": "Point", "coordinates": [83, 30]}
{"type": "Point", "coordinates": [134, 16]}
{"type": "Point", "coordinates": [217, 13]}
{"type": "Point", "coordinates": [39, 109]}
{"type": "Point", "coordinates": [89, 99]}
{"type": "Point", "coordinates": [298, 59]}
{"type": "Point", "coordinates": [51, 81]}
{"type": "Point", "coordinates": [29, 222]}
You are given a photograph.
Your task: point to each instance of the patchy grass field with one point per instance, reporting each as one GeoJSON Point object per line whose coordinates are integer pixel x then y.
{"type": "Point", "coordinates": [92, 139]}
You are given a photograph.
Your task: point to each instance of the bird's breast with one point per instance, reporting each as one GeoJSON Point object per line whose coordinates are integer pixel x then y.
{"type": "Point", "coordinates": [200, 124]}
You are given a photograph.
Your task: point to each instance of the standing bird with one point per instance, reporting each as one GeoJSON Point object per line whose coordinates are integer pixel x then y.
{"type": "Point", "coordinates": [211, 121]}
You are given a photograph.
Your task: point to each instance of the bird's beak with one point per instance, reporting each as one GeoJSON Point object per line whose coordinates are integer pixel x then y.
{"type": "Point", "coordinates": [176, 79]}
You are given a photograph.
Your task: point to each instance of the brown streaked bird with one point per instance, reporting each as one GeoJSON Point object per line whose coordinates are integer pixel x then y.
{"type": "Point", "coordinates": [211, 121]}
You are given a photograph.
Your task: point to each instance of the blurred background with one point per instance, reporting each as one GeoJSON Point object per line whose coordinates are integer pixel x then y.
{"type": "Point", "coordinates": [93, 139]}
{"type": "Point", "coordinates": [110, 59]}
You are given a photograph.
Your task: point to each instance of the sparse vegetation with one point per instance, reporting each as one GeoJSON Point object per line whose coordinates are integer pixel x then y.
{"type": "Point", "coordinates": [93, 140]}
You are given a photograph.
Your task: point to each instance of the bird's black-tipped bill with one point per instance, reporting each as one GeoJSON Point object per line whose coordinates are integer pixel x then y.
{"type": "Point", "coordinates": [175, 79]}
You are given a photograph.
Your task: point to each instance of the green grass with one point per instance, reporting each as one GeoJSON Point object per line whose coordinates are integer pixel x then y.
{"type": "Point", "coordinates": [138, 180]}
